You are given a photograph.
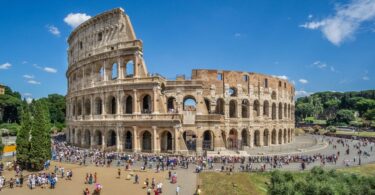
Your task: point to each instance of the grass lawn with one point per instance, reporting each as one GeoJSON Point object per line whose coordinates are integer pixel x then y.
{"type": "Point", "coordinates": [216, 183]}
{"type": "Point", "coordinates": [362, 133]}
{"type": "Point", "coordinates": [365, 170]}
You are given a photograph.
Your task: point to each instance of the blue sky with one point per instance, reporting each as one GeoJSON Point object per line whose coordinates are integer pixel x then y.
{"type": "Point", "coordinates": [319, 45]}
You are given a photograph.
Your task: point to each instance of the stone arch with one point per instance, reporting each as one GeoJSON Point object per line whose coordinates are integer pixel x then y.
{"type": "Point", "coordinates": [98, 106]}
{"type": "Point", "coordinates": [233, 109]}
{"type": "Point", "coordinates": [166, 141]}
{"type": "Point", "coordinates": [98, 138]}
{"type": "Point", "coordinates": [224, 137]}
{"type": "Point", "coordinates": [207, 102]}
{"type": "Point", "coordinates": [245, 108]}
{"type": "Point", "coordinates": [245, 137]}
{"type": "Point", "coordinates": [233, 139]}
{"type": "Point", "coordinates": [285, 136]}
{"type": "Point", "coordinates": [190, 139]}
{"type": "Point", "coordinates": [73, 136]}
{"type": "Point", "coordinates": [280, 136]}
{"type": "Point", "coordinates": [273, 111]}
{"type": "Point", "coordinates": [256, 138]}
{"type": "Point", "coordinates": [79, 107]}
{"type": "Point", "coordinates": [289, 113]}
{"type": "Point", "coordinates": [112, 105]}
{"type": "Point", "coordinates": [129, 69]}
{"type": "Point", "coordinates": [111, 138]}
{"type": "Point", "coordinates": [285, 110]}
{"type": "Point", "coordinates": [266, 108]}
{"type": "Point", "coordinates": [171, 105]}
{"type": "Point", "coordinates": [114, 71]}
{"type": "Point", "coordinates": [232, 92]}
{"type": "Point", "coordinates": [129, 105]}
{"type": "Point", "coordinates": [220, 106]}
{"type": "Point", "coordinates": [273, 95]}
{"type": "Point", "coordinates": [189, 103]}
{"type": "Point", "coordinates": [79, 138]}
{"type": "Point", "coordinates": [128, 140]}
{"type": "Point", "coordinates": [256, 108]}
{"type": "Point", "coordinates": [266, 135]}
{"type": "Point", "coordinates": [280, 111]}
{"type": "Point", "coordinates": [146, 104]}
{"type": "Point", "coordinates": [273, 136]}
{"type": "Point", "coordinates": [208, 140]}
{"type": "Point", "coordinates": [146, 141]}
{"type": "Point", "coordinates": [87, 138]}
{"type": "Point", "coordinates": [288, 135]}
{"type": "Point", "coordinates": [87, 107]}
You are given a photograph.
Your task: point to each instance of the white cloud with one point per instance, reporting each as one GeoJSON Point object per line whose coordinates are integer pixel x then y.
{"type": "Point", "coordinates": [310, 16]}
{"type": "Point", "coordinates": [302, 93]}
{"type": "Point", "coordinates": [27, 94]}
{"type": "Point", "coordinates": [29, 100]}
{"type": "Point", "coordinates": [75, 19]}
{"type": "Point", "coordinates": [28, 76]}
{"type": "Point", "coordinates": [34, 82]}
{"type": "Point", "coordinates": [303, 81]}
{"type": "Point", "coordinates": [366, 78]}
{"type": "Point", "coordinates": [345, 22]}
{"type": "Point", "coordinates": [37, 66]}
{"type": "Point", "coordinates": [5, 66]}
{"type": "Point", "coordinates": [49, 69]}
{"type": "Point", "coordinates": [320, 64]}
{"type": "Point", "coordinates": [53, 30]}
{"type": "Point", "coordinates": [281, 77]}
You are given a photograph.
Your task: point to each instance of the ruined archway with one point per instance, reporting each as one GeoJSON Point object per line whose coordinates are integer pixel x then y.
{"type": "Point", "coordinates": [128, 141]}
{"type": "Point", "coordinates": [111, 138]}
{"type": "Point", "coordinates": [208, 143]}
{"type": "Point", "coordinates": [266, 135]}
{"type": "Point", "coordinates": [166, 142]}
{"type": "Point", "coordinates": [190, 139]}
{"type": "Point", "coordinates": [256, 138]}
{"type": "Point", "coordinates": [219, 106]}
{"type": "Point", "coordinates": [146, 141]}
{"type": "Point", "coordinates": [233, 140]}
{"type": "Point", "coordinates": [233, 109]}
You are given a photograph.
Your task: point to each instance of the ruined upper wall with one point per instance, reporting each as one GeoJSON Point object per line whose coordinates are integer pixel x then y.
{"type": "Point", "coordinates": [221, 79]}
{"type": "Point", "coordinates": [99, 34]}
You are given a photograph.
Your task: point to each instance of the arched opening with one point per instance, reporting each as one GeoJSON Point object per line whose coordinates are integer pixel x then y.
{"type": "Point", "coordinates": [245, 109]}
{"type": "Point", "coordinates": [79, 138]}
{"type": "Point", "coordinates": [73, 136]}
{"type": "Point", "coordinates": [224, 137]}
{"type": "Point", "coordinates": [129, 69]}
{"type": "Point", "coordinates": [87, 138]}
{"type": "Point", "coordinates": [285, 111]}
{"type": "Point", "coordinates": [208, 143]}
{"type": "Point", "coordinates": [289, 113]}
{"type": "Point", "coordinates": [190, 104]}
{"type": "Point", "coordinates": [256, 108]}
{"type": "Point", "coordinates": [101, 74]}
{"type": "Point", "coordinates": [233, 109]}
{"type": "Point", "coordinates": [266, 108]}
{"type": "Point", "coordinates": [280, 110]}
{"type": "Point", "coordinates": [285, 141]}
{"type": "Point", "coordinates": [233, 140]}
{"type": "Point", "coordinates": [244, 137]}
{"type": "Point", "coordinates": [98, 106]}
{"type": "Point", "coordinates": [114, 71]}
{"type": "Point", "coordinates": [146, 142]}
{"type": "Point", "coordinates": [256, 138]}
{"type": "Point", "coordinates": [273, 95]}
{"type": "Point", "coordinates": [112, 105]}
{"type": "Point", "coordinates": [166, 142]}
{"type": "Point", "coordinates": [79, 108]}
{"type": "Point", "coordinates": [288, 135]}
{"type": "Point", "coordinates": [87, 107]}
{"type": "Point", "coordinates": [190, 140]}
{"type": "Point", "coordinates": [232, 92]}
{"type": "Point", "coordinates": [98, 138]}
{"type": "Point", "coordinates": [273, 136]}
{"type": "Point", "coordinates": [280, 136]}
{"type": "Point", "coordinates": [128, 141]}
{"type": "Point", "coordinates": [273, 111]}
{"type": "Point", "coordinates": [219, 106]}
{"type": "Point", "coordinates": [171, 105]}
{"type": "Point", "coordinates": [266, 135]}
{"type": "Point", "coordinates": [129, 105]}
{"type": "Point", "coordinates": [208, 105]}
{"type": "Point", "coordinates": [111, 138]}
{"type": "Point", "coordinates": [146, 104]}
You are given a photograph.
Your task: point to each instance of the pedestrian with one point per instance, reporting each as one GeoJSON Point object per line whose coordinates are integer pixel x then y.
{"type": "Point", "coordinates": [178, 190]}
{"type": "Point", "coordinates": [119, 173]}
{"type": "Point", "coordinates": [136, 179]}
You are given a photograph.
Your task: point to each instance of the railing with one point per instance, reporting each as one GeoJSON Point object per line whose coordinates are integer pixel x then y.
{"type": "Point", "coordinates": [168, 116]}
{"type": "Point", "coordinates": [210, 117]}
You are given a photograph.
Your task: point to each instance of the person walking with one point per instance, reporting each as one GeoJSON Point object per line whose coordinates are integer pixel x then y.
{"type": "Point", "coordinates": [178, 190]}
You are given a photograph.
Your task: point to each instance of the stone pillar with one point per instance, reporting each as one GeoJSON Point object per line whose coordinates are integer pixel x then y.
{"type": "Point", "coordinates": [155, 97]}
{"type": "Point", "coordinates": [104, 102]}
{"type": "Point", "coordinates": [135, 102]}
{"type": "Point", "coordinates": [251, 140]}
{"type": "Point", "coordinates": [105, 78]}
{"type": "Point", "coordinates": [92, 139]}
{"type": "Point", "coordinates": [176, 138]}
{"type": "Point", "coordinates": [118, 102]}
{"type": "Point", "coordinates": [118, 140]}
{"type": "Point", "coordinates": [239, 109]}
{"type": "Point", "coordinates": [136, 147]}
{"type": "Point", "coordinates": [119, 69]}
{"type": "Point", "coordinates": [104, 141]}
{"type": "Point", "coordinates": [261, 138]}
{"type": "Point", "coordinates": [92, 105]}
{"type": "Point", "coordinates": [155, 140]}
{"type": "Point", "coordinates": [136, 71]}
{"type": "Point", "coordinates": [83, 107]}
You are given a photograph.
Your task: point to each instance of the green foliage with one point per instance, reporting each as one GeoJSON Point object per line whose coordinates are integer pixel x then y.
{"type": "Point", "coordinates": [40, 143]}
{"type": "Point", "coordinates": [56, 106]}
{"type": "Point", "coordinates": [344, 116]}
{"type": "Point", "coordinates": [331, 129]}
{"type": "Point", "coordinates": [364, 104]}
{"type": "Point", "coordinates": [370, 114]}
{"type": "Point", "coordinates": [10, 106]}
{"type": "Point", "coordinates": [23, 138]}
{"type": "Point", "coordinates": [1, 146]}
{"type": "Point", "coordinates": [319, 182]}
{"type": "Point", "coordinates": [12, 127]}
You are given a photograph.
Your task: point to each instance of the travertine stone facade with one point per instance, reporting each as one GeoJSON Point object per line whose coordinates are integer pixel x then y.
{"type": "Point", "coordinates": [113, 103]}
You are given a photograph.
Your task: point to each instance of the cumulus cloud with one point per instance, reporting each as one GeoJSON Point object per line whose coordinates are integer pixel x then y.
{"type": "Point", "coordinates": [281, 77]}
{"type": "Point", "coordinates": [303, 81]}
{"type": "Point", "coordinates": [53, 30]}
{"type": "Point", "coordinates": [34, 82]}
{"type": "Point", "coordinates": [302, 93]}
{"type": "Point", "coordinates": [28, 76]}
{"type": "Point", "coordinates": [345, 22]}
{"type": "Point", "coordinates": [49, 70]}
{"type": "Point", "coordinates": [5, 66]}
{"type": "Point", "coordinates": [75, 19]}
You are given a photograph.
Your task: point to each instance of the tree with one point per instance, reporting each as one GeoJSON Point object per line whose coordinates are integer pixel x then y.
{"type": "Point", "coordinates": [1, 145]}
{"type": "Point", "coordinates": [40, 143]}
{"type": "Point", "coordinates": [23, 138]}
{"type": "Point", "coordinates": [370, 114]}
{"type": "Point", "coordinates": [331, 107]}
{"type": "Point", "coordinates": [344, 116]}
{"type": "Point", "coordinates": [365, 104]}
{"type": "Point", "coordinates": [304, 110]}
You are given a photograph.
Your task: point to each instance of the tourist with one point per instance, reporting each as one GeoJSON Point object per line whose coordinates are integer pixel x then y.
{"type": "Point", "coordinates": [119, 173]}
{"type": "Point", "coordinates": [198, 190]}
{"type": "Point", "coordinates": [86, 191]}
{"type": "Point", "coordinates": [136, 179]}
{"type": "Point", "coordinates": [91, 179]}
{"type": "Point", "coordinates": [178, 190]}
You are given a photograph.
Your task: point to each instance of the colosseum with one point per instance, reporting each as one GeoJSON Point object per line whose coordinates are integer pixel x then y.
{"type": "Point", "coordinates": [115, 104]}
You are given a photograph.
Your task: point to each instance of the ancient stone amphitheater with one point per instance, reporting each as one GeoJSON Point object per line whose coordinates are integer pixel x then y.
{"type": "Point", "coordinates": [114, 104]}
